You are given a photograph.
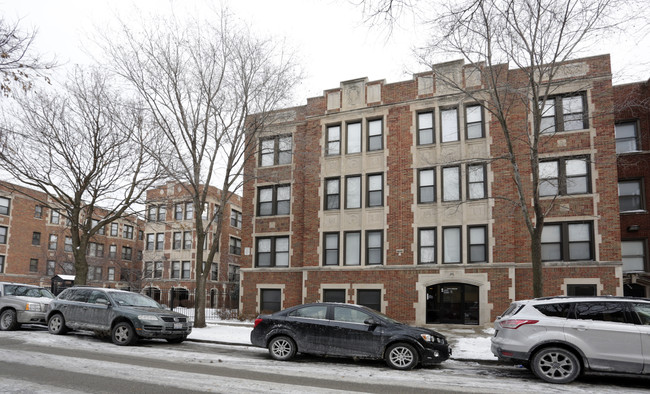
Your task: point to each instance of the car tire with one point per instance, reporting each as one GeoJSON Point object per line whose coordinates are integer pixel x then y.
{"type": "Point", "coordinates": [8, 320]}
{"type": "Point", "coordinates": [556, 365]}
{"type": "Point", "coordinates": [402, 356]}
{"type": "Point", "coordinates": [176, 340]}
{"type": "Point", "coordinates": [123, 334]}
{"type": "Point", "coordinates": [56, 324]}
{"type": "Point", "coordinates": [282, 348]}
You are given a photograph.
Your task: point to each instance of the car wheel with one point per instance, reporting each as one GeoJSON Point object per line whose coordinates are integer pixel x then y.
{"type": "Point", "coordinates": [176, 340]}
{"type": "Point", "coordinates": [56, 325]}
{"type": "Point", "coordinates": [556, 365]}
{"type": "Point", "coordinates": [8, 320]}
{"type": "Point", "coordinates": [402, 356]}
{"type": "Point", "coordinates": [123, 334]}
{"type": "Point", "coordinates": [282, 348]}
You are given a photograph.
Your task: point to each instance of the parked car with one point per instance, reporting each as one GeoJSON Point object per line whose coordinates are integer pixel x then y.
{"type": "Point", "coordinates": [123, 315]}
{"type": "Point", "coordinates": [333, 329]}
{"type": "Point", "coordinates": [558, 338]}
{"type": "Point", "coordinates": [22, 304]}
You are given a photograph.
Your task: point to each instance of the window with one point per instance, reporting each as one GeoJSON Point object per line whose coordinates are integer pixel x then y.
{"type": "Point", "coordinates": [374, 247]}
{"type": "Point", "coordinates": [633, 253]}
{"type": "Point", "coordinates": [150, 241]}
{"type": "Point", "coordinates": [274, 200]}
{"type": "Point", "coordinates": [352, 248]}
{"type": "Point", "coordinates": [627, 139]}
{"type": "Point", "coordinates": [176, 270]}
{"type": "Point", "coordinates": [177, 240]}
{"type": "Point", "coordinates": [162, 213]}
{"type": "Point", "coordinates": [476, 185]}
{"type": "Point", "coordinates": [185, 274]}
{"type": "Point", "coordinates": [33, 265]}
{"type": "Point", "coordinates": [629, 196]}
{"type": "Point", "coordinates": [127, 253]}
{"type": "Point", "coordinates": [178, 211]}
{"type": "Point", "coordinates": [354, 138]}
{"type": "Point", "coordinates": [111, 273]}
{"type": "Point", "coordinates": [451, 183]}
{"type": "Point", "coordinates": [601, 311]}
{"type": "Point", "coordinates": [477, 244]}
{"type": "Point", "coordinates": [151, 215]}
{"type": "Point", "coordinates": [205, 211]}
{"type": "Point", "coordinates": [112, 251]}
{"type": "Point", "coordinates": [55, 216]}
{"type": "Point", "coordinates": [375, 135]}
{"type": "Point", "coordinates": [275, 150]}
{"type": "Point", "coordinates": [425, 128]}
{"type": "Point", "coordinates": [128, 231]}
{"type": "Point", "coordinates": [53, 241]}
{"type": "Point", "coordinates": [564, 177]}
{"type": "Point", "coordinates": [235, 218]}
{"type": "Point", "coordinates": [451, 245]}
{"type": "Point", "coordinates": [567, 241]}
{"type": "Point", "coordinates": [235, 246]}
{"type": "Point", "coordinates": [67, 244]}
{"type": "Point", "coordinates": [449, 125]}
{"type": "Point", "coordinates": [581, 290]}
{"type": "Point", "coordinates": [187, 240]}
{"type": "Point", "coordinates": [214, 271]}
{"type": "Point", "coordinates": [114, 228]}
{"type": "Point", "coordinates": [50, 269]}
{"type": "Point", "coordinates": [474, 121]}
{"type": "Point", "coordinates": [158, 271]}
{"type": "Point", "coordinates": [272, 252]}
{"type": "Point", "coordinates": [270, 300]}
{"type": "Point", "coordinates": [95, 249]}
{"type": "Point", "coordinates": [334, 295]}
{"type": "Point", "coordinates": [426, 185]}
{"type": "Point", "coordinates": [233, 273]}
{"type": "Point", "coordinates": [100, 230]}
{"type": "Point", "coordinates": [189, 210]}
{"type": "Point", "coordinates": [369, 298]}
{"type": "Point", "coordinates": [2, 264]}
{"type": "Point", "coordinates": [38, 211]}
{"type": "Point", "coordinates": [3, 235]}
{"type": "Point", "coordinates": [333, 141]}
{"type": "Point", "coordinates": [36, 238]}
{"type": "Point", "coordinates": [160, 241]}
{"type": "Point", "coordinates": [427, 246]}
{"type": "Point", "coordinates": [332, 193]}
{"type": "Point", "coordinates": [563, 113]}
{"type": "Point", "coordinates": [4, 206]}
{"type": "Point", "coordinates": [331, 245]}
{"type": "Point", "coordinates": [375, 190]}
{"type": "Point", "coordinates": [353, 191]}
{"type": "Point", "coordinates": [148, 270]}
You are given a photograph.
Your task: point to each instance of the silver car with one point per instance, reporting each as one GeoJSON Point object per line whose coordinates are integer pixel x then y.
{"type": "Point", "coordinates": [559, 338]}
{"type": "Point", "coordinates": [21, 304]}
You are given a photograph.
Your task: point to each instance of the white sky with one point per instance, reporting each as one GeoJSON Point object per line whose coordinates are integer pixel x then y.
{"type": "Point", "coordinates": [330, 36]}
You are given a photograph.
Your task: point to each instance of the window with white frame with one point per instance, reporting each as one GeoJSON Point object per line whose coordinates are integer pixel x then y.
{"type": "Point", "coordinates": [633, 254]}
{"type": "Point", "coordinates": [272, 252]}
{"type": "Point", "coordinates": [451, 245]}
{"type": "Point", "coordinates": [352, 246]}
{"type": "Point", "coordinates": [375, 190]}
{"type": "Point", "coordinates": [627, 139]}
{"type": "Point", "coordinates": [474, 121]}
{"type": "Point", "coordinates": [427, 246]}
{"type": "Point", "coordinates": [426, 134]}
{"type": "Point", "coordinates": [375, 135]}
{"type": "Point", "coordinates": [426, 185]}
{"type": "Point", "coordinates": [565, 176]}
{"type": "Point", "coordinates": [449, 125]}
{"type": "Point", "coordinates": [353, 191]}
{"type": "Point", "coordinates": [563, 113]}
{"type": "Point", "coordinates": [331, 246]}
{"type": "Point", "coordinates": [569, 241]}
{"type": "Point", "coordinates": [374, 247]}
{"type": "Point", "coordinates": [333, 140]}
{"type": "Point", "coordinates": [451, 183]}
{"type": "Point", "coordinates": [353, 140]}
{"type": "Point", "coordinates": [630, 197]}
{"type": "Point", "coordinates": [477, 244]}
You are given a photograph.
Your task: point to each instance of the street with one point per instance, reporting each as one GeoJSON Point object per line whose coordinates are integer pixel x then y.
{"type": "Point", "coordinates": [35, 361]}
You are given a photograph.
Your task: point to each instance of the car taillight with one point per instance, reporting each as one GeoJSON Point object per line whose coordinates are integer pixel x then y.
{"type": "Point", "coordinates": [516, 323]}
{"type": "Point", "coordinates": [257, 321]}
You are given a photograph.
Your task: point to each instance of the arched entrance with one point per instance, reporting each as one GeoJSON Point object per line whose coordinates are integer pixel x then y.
{"type": "Point", "coordinates": [452, 303]}
{"type": "Point", "coordinates": [152, 292]}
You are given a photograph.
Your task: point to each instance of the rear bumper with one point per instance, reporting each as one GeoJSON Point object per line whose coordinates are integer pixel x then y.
{"type": "Point", "coordinates": [510, 356]}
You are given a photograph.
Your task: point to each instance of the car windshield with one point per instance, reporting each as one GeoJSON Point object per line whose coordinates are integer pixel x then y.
{"type": "Point", "coordinates": [27, 291]}
{"type": "Point", "coordinates": [133, 299]}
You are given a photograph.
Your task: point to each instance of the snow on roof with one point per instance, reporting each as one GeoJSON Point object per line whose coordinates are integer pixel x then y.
{"type": "Point", "coordinates": [65, 277]}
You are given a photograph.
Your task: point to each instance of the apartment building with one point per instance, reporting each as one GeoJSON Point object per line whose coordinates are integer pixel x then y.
{"type": "Point", "coordinates": [170, 248]}
{"type": "Point", "coordinates": [632, 103]}
{"type": "Point", "coordinates": [396, 196]}
{"type": "Point", "coordinates": [35, 244]}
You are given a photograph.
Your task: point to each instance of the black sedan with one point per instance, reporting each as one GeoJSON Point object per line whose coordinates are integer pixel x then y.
{"type": "Point", "coordinates": [348, 330]}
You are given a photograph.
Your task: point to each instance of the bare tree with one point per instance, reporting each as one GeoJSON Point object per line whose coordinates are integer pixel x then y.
{"type": "Point", "coordinates": [17, 59]}
{"type": "Point", "coordinates": [533, 36]}
{"type": "Point", "coordinates": [83, 147]}
{"type": "Point", "coordinates": [200, 81]}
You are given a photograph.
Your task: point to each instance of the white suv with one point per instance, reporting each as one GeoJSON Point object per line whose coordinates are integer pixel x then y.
{"type": "Point", "coordinates": [560, 337]}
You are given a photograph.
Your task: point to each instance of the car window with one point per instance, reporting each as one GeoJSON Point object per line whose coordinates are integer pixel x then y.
{"type": "Point", "coordinates": [80, 295]}
{"type": "Point", "coordinates": [98, 297]}
{"type": "Point", "coordinates": [350, 315]}
{"type": "Point", "coordinates": [313, 312]}
{"type": "Point", "coordinates": [643, 311]}
{"type": "Point", "coordinates": [602, 311]}
{"type": "Point", "coordinates": [10, 289]}
{"type": "Point", "coordinates": [133, 299]}
{"type": "Point", "coordinates": [554, 310]}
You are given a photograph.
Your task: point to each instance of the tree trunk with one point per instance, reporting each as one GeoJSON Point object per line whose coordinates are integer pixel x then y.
{"type": "Point", "coordinates": [536, 260]}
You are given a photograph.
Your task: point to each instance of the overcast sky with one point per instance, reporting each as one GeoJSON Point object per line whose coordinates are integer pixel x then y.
{"type": "Point", "coordinates": [330, 36]}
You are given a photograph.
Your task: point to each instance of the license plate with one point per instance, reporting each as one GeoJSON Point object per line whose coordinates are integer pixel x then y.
{"type": "Point", "coordinates": [178, 326]}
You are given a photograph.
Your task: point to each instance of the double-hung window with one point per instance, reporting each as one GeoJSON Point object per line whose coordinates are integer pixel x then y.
{"type": "Point", "coordinates": [235, 218]}
{"type": "Point", "coordinates": [235, 246]}
{"type": "Point", "coordinates": [189, 210]}
{"type": "Point", "coordinates": [451, 245]}
{"type": "Point", "coordinates": [332, 193]}
{"type": "Point", "coordinates": [353, 191]}
{"type": "Point", "coordinates": [4, 206]}
{"type": "Point", "coordinates": [176, 270]}
{"type": "Point", "coordinates": [375, 135]}
{"type": "Point", "coordinates": [474, 121]}
{"type": "Point", "coordinates": [3, 235]}
{"type": "Point", "coordinates": [127, 253]}
{"type": "Point", "coordinates": [128, 231]}
{"type": "Point", "coordinates": [331, 246]}
{"type": "Point", "coordinates": [426, 134]}
{"type": "Point", "coordinates": [187, 270]}
{"type": "Point", "coordinates": [151, 214]}
{"type": "Point", "coordinates": [451, 183]}
{"type": "Point", "coordinates": [567, 241]}
{"type": "Point", "coordinates": [274, 200]}
{"type": "Point", "coordinates": [53, 241]}
{"type": "Point", "coordinates": [162, 213]}
{"type": "Point", "coordinates": [177, 242]}
{"type": "Point", "coordinates": [38, 211]}
{"type": "Point", "coordinates": [627, 139]}
{"type": "Point", "coordinates": [563, 113]}
{"type": "Point", "coordinates": [633, 255]}
{"type": "Point", "coordinates": [353, 138]}
{"type": "Point", "coordinates": [36, 238]}
{"type": "Point", "coordinates": [114, 228]}
{"type": "Point", "coordinates": [374, 247]}
{"type": "Point", "coordinates": [272, 252]}
{"type": "Point", "coordinates": [178, 211]}
{"type": "Point", "coordinates": [352, 248]}
{"type": "Point", "coordinates": [476, 185]}
{"type": "Point", "coordinates": [150, 241]}
{"type": "Point", "coordinates": [112, 251]}
{"type": "Point", "coordinates": [477, 244]}
{"type": "Point", "coordinates": [275, 150]}
{"type": "Point", "coordinates": [67, 244]}
{"type": "Point", "coordinates": [160, 241]}
{"type": "Point", "coordinates": [187, 240]}
{"type": "Point", "coordinates": [629, 195]}
{"type": "Point", "coordinates": [564, 176]}
{"type": "Point", "coordinates": [449, 125]}
{"type": "Point", "coordinates": [426, 185]}
{"type": "Point", "coordinates": [427, 245]}
{"type": "Point", "coordinates": [333, 140]}
{"type": "Point", "coordinates": [55, 216]}
{"type": "Point", "coordinates": [375, 190]}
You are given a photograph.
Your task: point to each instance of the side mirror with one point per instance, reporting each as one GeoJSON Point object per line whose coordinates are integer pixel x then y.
{"type": "Point", "coordinates": [102, 301]}
{"type": "Point", "coordinates": [371, 322]}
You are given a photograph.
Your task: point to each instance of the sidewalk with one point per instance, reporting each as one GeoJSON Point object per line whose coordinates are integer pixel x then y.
{"type": "Point", "coordinates": [469, 343]}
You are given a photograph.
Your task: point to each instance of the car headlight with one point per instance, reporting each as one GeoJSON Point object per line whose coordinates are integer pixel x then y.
{"type": "Point", "coordinates": [432, 339]}
{"type": "Point", "coordinates": [33, 307]}
{"type": "Point", "coordinates": [148, 317]}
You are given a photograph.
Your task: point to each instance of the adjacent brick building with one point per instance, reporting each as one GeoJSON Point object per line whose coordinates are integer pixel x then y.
{"type": "Point", "coordinates": [170, 248]}
{"type": "Point", "coordinates": [395, 196]}
{"type": "Point", "coordinates": [632, 103]}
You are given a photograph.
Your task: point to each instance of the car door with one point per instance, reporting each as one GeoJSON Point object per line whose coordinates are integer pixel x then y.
{"type": "Point", "coordinates": [97, 312]}
{"type": "Point", "coordinates": [310, 327]}
{"type": "Point", "coordinates": [642, 310]}
{"type": "Point", "coordinates": [74, 308]}
{"type": "Point", "coordinates": [606, 335]}
{"type": "Point", "coordinates": [350, 336]}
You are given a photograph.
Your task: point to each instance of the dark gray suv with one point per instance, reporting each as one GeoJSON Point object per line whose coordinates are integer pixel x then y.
{"type": "Point", "coordinates": [560, 337]}
{"type": "Point", "coordinates": [123, 315]}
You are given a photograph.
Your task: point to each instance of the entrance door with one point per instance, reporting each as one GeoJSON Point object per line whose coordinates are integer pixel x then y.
{"type": "Point", "coordinates": [452, 303]}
